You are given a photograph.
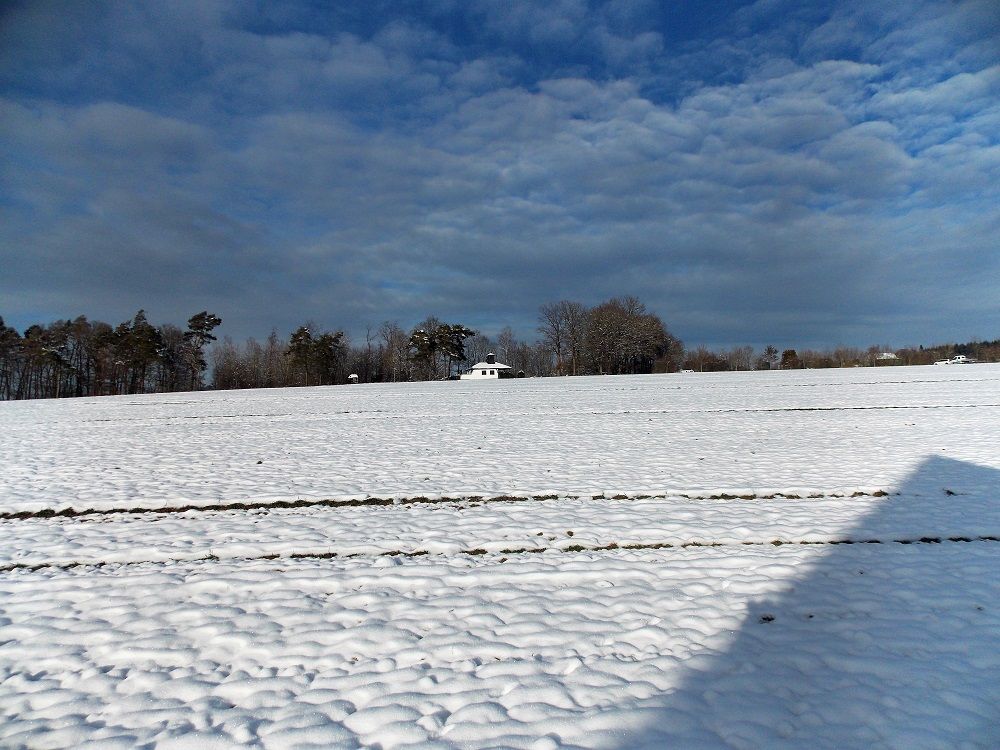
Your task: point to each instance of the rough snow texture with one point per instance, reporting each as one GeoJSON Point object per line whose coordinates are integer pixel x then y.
{"type": "Point", "coordinates": [891, 646]}
{"type": "Point", "coordinates": [306, 627]}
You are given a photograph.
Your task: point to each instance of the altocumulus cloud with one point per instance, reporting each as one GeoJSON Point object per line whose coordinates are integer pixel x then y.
{"type": "Point", "coordinates": [786, 172]}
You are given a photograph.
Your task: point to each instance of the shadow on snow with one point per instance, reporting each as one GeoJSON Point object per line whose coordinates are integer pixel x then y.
{"type": "Point", "coordinates": [877, 645]}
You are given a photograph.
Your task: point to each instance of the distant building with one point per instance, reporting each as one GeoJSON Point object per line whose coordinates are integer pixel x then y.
{"type": "Point", "coordinates": [352, 378]}
{"type": "Point", "coordinates": [886, 356]}
{"type": "Point", "coordinates": [488, 370]}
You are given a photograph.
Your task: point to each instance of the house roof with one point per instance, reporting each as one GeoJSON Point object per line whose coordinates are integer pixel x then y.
{"type": "Point", "coordinates": [487, 366]}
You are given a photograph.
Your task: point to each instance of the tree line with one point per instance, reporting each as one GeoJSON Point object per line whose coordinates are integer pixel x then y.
{"type": "Point", "coordinates": [619, 336]}
{"type": "Point", "coordinates": [91, 358]}
{"type": "Point", "coordinates": [431, 350]}
{"type": "Point", "coordinates": [702, 359]}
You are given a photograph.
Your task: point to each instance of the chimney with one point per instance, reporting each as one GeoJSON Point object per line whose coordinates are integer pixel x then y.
{"type": "Point", "coordinates": [491, 358]}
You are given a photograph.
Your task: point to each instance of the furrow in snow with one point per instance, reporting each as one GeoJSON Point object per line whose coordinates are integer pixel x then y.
{"type": "Point", "coordinates": [795, 493]}
{"type": "Point", "coordinates": [494, 527]}
{"type": "Point", "coordinates": [232, 556]}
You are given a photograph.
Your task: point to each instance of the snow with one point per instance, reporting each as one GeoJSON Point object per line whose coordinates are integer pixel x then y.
{"type": "Point", "coordinates": [456, 527]}
{"type": "Point", "coordinates": [596, 649]}
{"type": "Point", "coordinates": [739, 560]}
{"type": "Point", "coordinates": [804, 431]}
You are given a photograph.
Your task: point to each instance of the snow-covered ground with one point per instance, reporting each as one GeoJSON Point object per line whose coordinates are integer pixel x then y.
{"type": "Point", "coordinates": [733, 560]}
{"type": "Point", "coordinates": [461, 527]}
{"type": "Point", "coordinates": [806, 431]}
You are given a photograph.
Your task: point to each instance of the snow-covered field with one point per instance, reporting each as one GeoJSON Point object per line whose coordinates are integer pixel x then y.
{"type": "Point", "coordinates": [743, 560]}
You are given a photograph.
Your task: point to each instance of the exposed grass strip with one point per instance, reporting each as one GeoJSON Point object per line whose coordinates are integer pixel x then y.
{"type": "Point", "coordinates": [48, 513]}
{"type": "Point", "coordinates": [480, 552]}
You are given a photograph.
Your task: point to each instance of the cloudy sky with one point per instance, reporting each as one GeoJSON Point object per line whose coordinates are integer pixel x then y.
{"type": "Point", "coordinates": [788, 172]}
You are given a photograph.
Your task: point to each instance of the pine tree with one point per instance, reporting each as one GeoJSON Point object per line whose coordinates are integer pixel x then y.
{"type": "Point", "coordinates": [450, 340]}
{"type": "Point", "coordinates": [198, 334]}
{"type": "Point", "coordinates": [300, 351]}
{"type": "Point", "coordinates": [327, 353]}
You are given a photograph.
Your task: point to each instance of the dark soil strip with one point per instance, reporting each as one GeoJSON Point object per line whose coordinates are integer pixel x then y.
{"type": "Point", "coordinates": [255, 505]}
{"type": "Point", "coordinates": [30, 567]}
{"type": "Point", "coordinates": [473, 500]}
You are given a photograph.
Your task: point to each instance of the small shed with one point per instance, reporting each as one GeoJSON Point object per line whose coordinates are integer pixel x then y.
{"type": "Point", "coordinates": [352, 378]}
{"type": "Point", "coordinates": [488, 370]}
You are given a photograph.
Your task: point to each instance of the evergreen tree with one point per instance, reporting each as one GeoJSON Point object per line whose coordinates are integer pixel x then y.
{"type": "Point", "coordinates": [10, 349]}
{"type": "Point", "coordinates": [300, 352]}
{"type": "Point", "coordinates": [790, 360]}
{"type": "Point", "coordinates": [327, 354]}
{"type": "Point", "coordinates": [436, 339]}
{"type": "Point", "coordinates": [142, 348]}
{"type": "Point", "coordinates": [423, 353]}
{"type": "Point", "coordinates": [198, 334]}
{"type": "Point", "coordinates": [450, 341]}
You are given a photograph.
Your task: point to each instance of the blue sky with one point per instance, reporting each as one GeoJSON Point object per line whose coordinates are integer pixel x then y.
{"type": "Point", "coordinates": [804, 174]}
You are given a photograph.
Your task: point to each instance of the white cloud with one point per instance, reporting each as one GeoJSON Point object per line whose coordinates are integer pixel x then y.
{"type": "Point", "coordinates": [330, 164]}
{"type": "Point", "coordinates": [960, 95]}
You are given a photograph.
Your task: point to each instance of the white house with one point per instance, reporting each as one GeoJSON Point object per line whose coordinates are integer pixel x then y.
{"type": "Point", "coordinates": [490, 370]}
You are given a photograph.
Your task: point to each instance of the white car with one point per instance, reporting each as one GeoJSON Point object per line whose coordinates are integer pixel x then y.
{"type": "Point", "coordinates": [958, 359]}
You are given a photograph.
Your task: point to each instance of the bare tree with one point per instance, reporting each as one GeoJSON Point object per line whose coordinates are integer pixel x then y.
{"type": "Point", "coordinates": [506, 345]}
{"type": "Point", "coordinates": [577, 318]}
{"type": "Point", "coordinates": [740, 358]}
{"type": "Point", "coordinates": [703, 359]}
{"type": "Point", "coordinates": [395, 363]}
{"type": "Point", "coordinates": [553, 326]}
{"type": "Point", "coordinates": [478, 346]}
